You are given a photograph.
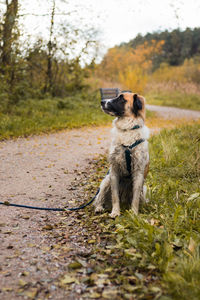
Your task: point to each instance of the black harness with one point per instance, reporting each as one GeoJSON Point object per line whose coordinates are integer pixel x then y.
{"type": "Point", "coordinates": [128, 152]}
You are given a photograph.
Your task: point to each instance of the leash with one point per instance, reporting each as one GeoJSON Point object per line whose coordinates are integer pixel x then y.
{"type": "Point", "coordinates": [7, 203]}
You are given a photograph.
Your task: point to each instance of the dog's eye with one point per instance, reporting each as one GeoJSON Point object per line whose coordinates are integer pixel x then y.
{"type": "Point", "coordinates": [121, 98]}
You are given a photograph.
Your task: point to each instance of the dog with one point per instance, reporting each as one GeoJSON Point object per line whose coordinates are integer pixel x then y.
{"type": "Point", "coordinates": [128, 156]}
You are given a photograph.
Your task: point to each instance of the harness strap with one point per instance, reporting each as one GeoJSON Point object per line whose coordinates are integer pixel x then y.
{"type": "Point", "coordinates": [135, 127]}
{"type": "Point", "coordinates": [132, 128]}
{"type": "Point", "coordinates": [128, 160]}
{"type": "Point", "coordinates": [135, 144]}
{"type": "Point", "coordinates": [128, 153]}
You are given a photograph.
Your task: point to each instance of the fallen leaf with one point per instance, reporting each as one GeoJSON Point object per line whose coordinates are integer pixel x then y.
{"type": "Point", "coordinates": [75, 265]}
{"type": "Point", "coordinates": [31, 245]}
{"type": "Point", "coordinates": [109, 294]}
{"type": "Point", "coordinates": [45, 249]}
{"type": "Point", "coordinates": [25, 217]}
{"type": "Point", "coordinates": [155, 289]}
{"type": "Point", "coordinates": [47, 227]}
{"type": "Point", "coordinates": [91, 241]}
{"type": "Point", "coordinates": [32, 293]}
{"type": "Point", "coordinates": [25, 273]}
{"type": "Point", "coordinates": [95, 295]}
{"type": "Point", "coordinates": [67, 279]}
{"type": "Point", "coordinates": [22, 282]}
{"type": "Point", "coordinates": [7, 289]}
{"type": "Point", "coordinates": [130, 288]}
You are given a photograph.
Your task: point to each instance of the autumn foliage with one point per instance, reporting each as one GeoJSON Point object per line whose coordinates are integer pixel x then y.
{"type": "Point", "coordinates": [130, 67]}
{"type": "Point", "coordinates": [141, 69]}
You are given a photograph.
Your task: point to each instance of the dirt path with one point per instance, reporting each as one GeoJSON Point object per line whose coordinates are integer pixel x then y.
{"type": "Point", "coordinates": [39, 171]}
{"type": "Point", "coordinates": [170, 113]}
{"type": "Point", "coordinates": [47, 171]}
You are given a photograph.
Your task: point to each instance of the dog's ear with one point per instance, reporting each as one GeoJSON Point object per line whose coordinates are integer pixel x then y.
{"type": "Point", "coordinates": [137, 104]}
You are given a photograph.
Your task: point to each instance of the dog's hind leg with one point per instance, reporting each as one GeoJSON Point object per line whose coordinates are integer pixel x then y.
{"type": "Point", "coordinates": [140, 169]}
{"type": "Point", "coordinates": [102, 195]}
{"type": "Point", "coordinates": [137, 189]}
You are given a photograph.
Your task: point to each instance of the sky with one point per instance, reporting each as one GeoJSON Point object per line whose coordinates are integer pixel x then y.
{"type": "Point", "coordinates": [126, 18]}
{"type": "Point", "coordinates": [119, 20]}
{"type": "Point", "coordinates": [116, 21]}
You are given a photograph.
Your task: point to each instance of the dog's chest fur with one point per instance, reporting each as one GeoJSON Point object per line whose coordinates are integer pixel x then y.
{"type": "Point", "coordinates": [124, 135]}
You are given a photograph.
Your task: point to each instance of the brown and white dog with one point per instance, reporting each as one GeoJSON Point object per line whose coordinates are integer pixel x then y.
{"type": "Point", "coordinates": [128, 156]}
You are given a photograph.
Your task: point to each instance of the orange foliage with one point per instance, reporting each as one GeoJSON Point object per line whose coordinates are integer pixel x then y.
{"type": "Point", "coordinates": [115, 60]}
{"type": "Point", "coordinates": [129, 66]}
{"type": "Point", "coordinates": [133, 79]}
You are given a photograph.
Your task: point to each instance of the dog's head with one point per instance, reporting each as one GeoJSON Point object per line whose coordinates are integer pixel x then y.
{"type": "Point", "coordinates": [125, 105]}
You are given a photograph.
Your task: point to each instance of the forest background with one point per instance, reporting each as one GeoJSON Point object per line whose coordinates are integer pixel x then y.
{"type": "Point", "coordinates": [52, 83]}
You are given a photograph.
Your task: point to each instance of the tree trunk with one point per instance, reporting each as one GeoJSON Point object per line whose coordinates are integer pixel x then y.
{"type": "Point", "coordinates": [9, 23]}
{"type": "Point", "coordinates": [49, 82]}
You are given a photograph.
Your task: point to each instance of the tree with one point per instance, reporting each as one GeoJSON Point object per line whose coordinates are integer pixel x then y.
{"type": "Point", "coordinates": [49, 80]}
{"type": "Point", "coordinates": [10, 17]}
{"type": "Point", "coordinates": [118, 60]}
{"type": "Point", "coordinates": [54, 64]}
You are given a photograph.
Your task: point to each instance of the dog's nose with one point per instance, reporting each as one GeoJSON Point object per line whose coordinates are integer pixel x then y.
{"type": "Point", "coordinates": [103, 102]}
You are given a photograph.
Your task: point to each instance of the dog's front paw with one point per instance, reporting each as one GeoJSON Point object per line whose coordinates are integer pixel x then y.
{"type": "Point", "coordinates": [99, 209]}
{"type": "Point", "coordinates": [114, 213]}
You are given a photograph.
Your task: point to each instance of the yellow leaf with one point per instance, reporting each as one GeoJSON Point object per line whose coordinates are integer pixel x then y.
{"type": "Point", "coordinates": [91, 242]}
{"type": "Point", "coordinates": [22, 282]}
{"type": "Point", "coordinates": [31, 294]}
{"type": "Point", "coordinates": [67, 279]}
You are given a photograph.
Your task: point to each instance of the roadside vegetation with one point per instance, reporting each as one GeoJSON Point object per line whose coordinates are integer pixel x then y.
{"type": "Point", "coordinates": [33, 116]}
{"type": "Point", "coordinates": [42, 81]}
{"type": "Point", "coordinates": [166, 96]}
{"type": "Point", "coordinates": [161, 245]}
{"type": "Point", "coordinates": [51, 114]}
{"type": "Point", "coordinates": [165, 67]}
{"type": "Point", "coordinates": [175, 85]}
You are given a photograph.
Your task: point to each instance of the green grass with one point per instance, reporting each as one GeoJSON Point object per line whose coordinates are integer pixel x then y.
{"type": "Point", "coordinates": [35, 116]}
{"type": "Point", "coordinates": [174, 98]}
{"type": "Point", "coordinates": [163, 241]}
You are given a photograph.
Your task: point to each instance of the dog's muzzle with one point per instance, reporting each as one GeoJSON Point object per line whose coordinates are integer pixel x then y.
{"type": "Point", "coordinates": [103, 103]}
{"type": "Point", "coordinates": [104, 106]}
{"type": "Point", "coordinates": [107, 107]}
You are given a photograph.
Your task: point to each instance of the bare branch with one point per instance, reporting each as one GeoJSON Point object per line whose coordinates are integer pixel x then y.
{"type": "Point", "coordinates": [47, 15]}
